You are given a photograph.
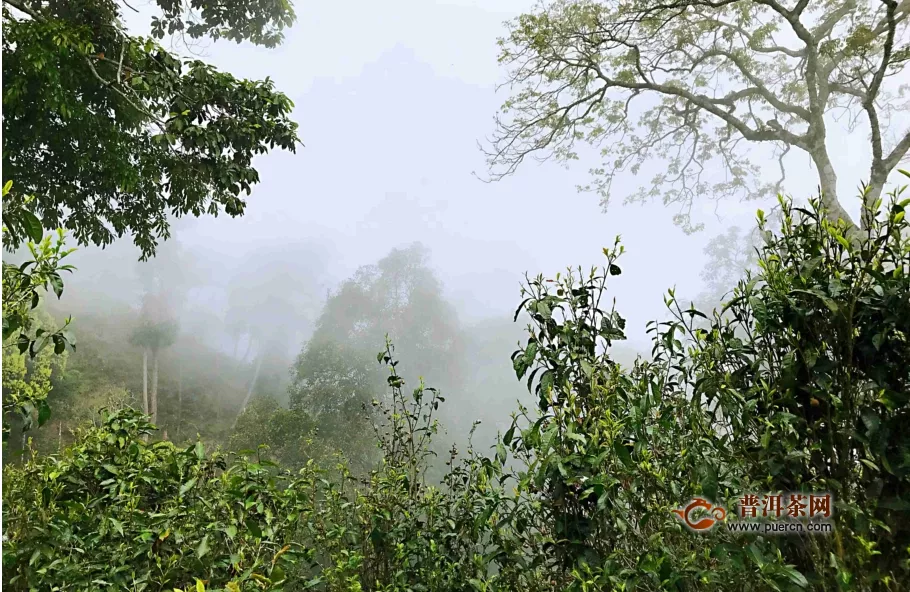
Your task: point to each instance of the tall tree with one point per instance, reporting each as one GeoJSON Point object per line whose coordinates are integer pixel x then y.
{"type": "Point", "coordinates": [336, 373]}
{"type": "Point", "coordinates": [273, 300]}
{"type": "Point", "coordinates": [693, 84]}
{"type": "Point", "coordinates": [112, 133]}
{"type": "Point", "coordinates": [157, 331]}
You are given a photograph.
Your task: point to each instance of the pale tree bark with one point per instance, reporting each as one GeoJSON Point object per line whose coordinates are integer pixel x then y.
{"type": "Point", "coordinates": [154, 398]}
{"type": "Point", "coordinates": [179, 398]}
{"type": "Point", "coordinates": [249, 393]}
{"type": "Point", "coordinates": [249, 347]}
{"type": "Point", "coordinates": [145, 381]}
{"type": "Point", "coordinates": [828, 181]}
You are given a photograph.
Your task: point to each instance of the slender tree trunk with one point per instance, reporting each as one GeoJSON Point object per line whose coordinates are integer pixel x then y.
{"type": "Point", "coordinates": [249, 393]}
{"type": "Point", "coordinates": [179, 398]}
{"type": "Point", "coordinates": [145, 381]}
{"type": "Point", "coordinates": [249, 346]}
{"type": "Point", "coordinates": [154, 399]}
{"type": "Point", "coordinates": [236, 346]}
{"type": "Point", "coordinates": [877, 179]}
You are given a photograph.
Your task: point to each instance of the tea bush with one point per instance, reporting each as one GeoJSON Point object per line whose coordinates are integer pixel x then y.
{"type": "Point", "coordinates": [799, 384]}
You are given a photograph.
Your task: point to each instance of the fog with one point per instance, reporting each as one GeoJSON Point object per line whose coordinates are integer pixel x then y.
{"type": "Point", "coordinates": [393, 100]}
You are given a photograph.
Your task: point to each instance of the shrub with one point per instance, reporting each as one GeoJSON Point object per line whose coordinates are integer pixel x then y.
{"type": "Point", "coordinates": [799, 384]}
{"type": "Point", "coordinates": [113, 511]}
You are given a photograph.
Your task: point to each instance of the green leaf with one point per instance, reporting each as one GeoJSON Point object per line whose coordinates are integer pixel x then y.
{"type": "Point", "coordinates": [44, 412]}
{"type": "Point", "coordinates": [187, 486]}
{"type": "Point", "coordinates": [203, 548]}
{"type": "Point", "coordinates": [831, 304]}
{"type": "Point", "coordinates": [709, 482]}
{"type": "Point", "coordinates": [756, 554]}
{"type": "Point", "coordinates": [56, 283]}
{"type": "Point", "coordinates": [871, 420]}
{"type": "Point", "coordinates": [277, 576]}
{"type": "Point", "coordinates": [587, 368]}
{"type": "Point", "coordinates": [622, 452]}
{"type": "Point", "coordinates": [869, 464]}
{"type": "Point", "coordinates": [500, 453]}
{"type": "Point", "coordinates": [32, 226]}
{"type": "Point", "coordinates": [200, 450]}
{"type": "Point", "coordinates": [795, 577]}
{"type": "Point", "coordinates": [510, 433]}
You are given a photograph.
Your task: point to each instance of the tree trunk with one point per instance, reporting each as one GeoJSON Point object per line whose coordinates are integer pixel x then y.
{"type": "Point", "coordinates": [154, 398]}
{"type": "Point", "coordinates": [828, 179]}
{"type": "Point", "coordinates": [179, 398]}
{"type": "Point", "coordinates": [877, 180]}
{"type": "Point", "coordinates": [145, 381]}
{"type": "Point", "coordinates": [249, 393]}
{"type": "Point", "coordinates": [249, 346]}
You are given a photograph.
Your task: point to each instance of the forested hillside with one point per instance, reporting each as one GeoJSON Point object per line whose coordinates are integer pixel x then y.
{"type": "Point", "coordinates": [193, 401]}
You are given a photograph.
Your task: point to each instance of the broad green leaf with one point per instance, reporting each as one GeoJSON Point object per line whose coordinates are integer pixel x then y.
{"type": "Point", "coordinates": [203, 548]}
{"type": "Point", "coordinates": [187, 486]}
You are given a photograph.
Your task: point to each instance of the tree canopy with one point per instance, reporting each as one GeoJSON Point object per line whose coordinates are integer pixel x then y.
{"type": "Point", "coordinates": [336, 374]}
{"type": "Point", "coordinates": [692, 85]}
{"type": "Point", "coordinates": [112, 133]}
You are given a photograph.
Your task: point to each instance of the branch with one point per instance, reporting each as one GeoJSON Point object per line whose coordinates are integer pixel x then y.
{"type": "Point", "coordinates": [875, 85]}
{"type": "Point", "coordinates": [793, 53]}
{"type": "Point", "coordinates": [848, 90]}
{"type": "Point", "coordinates": [711, 106]}
{"type": "Point", "coordinates": [887, 50]}
{"type": "Point", "coordinates": [23, 8]}
{"type": "Point", "coordinates": [816, 107]}
{"type": "Point", "coordinates": [110, 84]}
{"type": "Point", "coordinates": [826, 26]}
{"type": "Point", "coordinates": [18, 5]}
{"type": "Point", "coordinates": [897, 153]}
{"type": "Point", "coordinates": [762, 89]}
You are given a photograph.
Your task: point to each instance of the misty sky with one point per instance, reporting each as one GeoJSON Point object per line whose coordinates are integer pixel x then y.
{"type": "Point", "coordinates": [392, 98]}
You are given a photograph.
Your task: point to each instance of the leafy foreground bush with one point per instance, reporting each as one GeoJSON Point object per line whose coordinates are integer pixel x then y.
{"type": "Point", "coordinates": [114, 512]}
{"type": "Point", "coordinates": [801, 383]}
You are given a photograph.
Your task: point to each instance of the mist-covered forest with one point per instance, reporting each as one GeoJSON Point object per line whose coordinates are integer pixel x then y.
{"type": "Point", "coordinates": [577, 295]}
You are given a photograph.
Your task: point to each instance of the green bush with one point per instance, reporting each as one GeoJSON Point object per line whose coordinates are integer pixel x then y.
{"type": "Point", "coordinates": [799, 384]}
{"type": "Point", "coordinates": [112, 512]}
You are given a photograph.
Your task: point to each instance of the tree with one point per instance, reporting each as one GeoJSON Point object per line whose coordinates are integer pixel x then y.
{"type": "Point", "coordinates": [27, 382]}
{"type": "Point", "coordinates": [694, 84]}
{"type": "Point", "coordinates": [157, 330]}
{"type": "Point", "coordinates": [113, 133]}
{"type": "Point", "coordinates": [24, 287]}
{"type": "Point", "coordinates": [399, 296]}
{"type": "Point", "coordinates": [335, 375]}
{"type": "Point", "coordinates": [273, 300]}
